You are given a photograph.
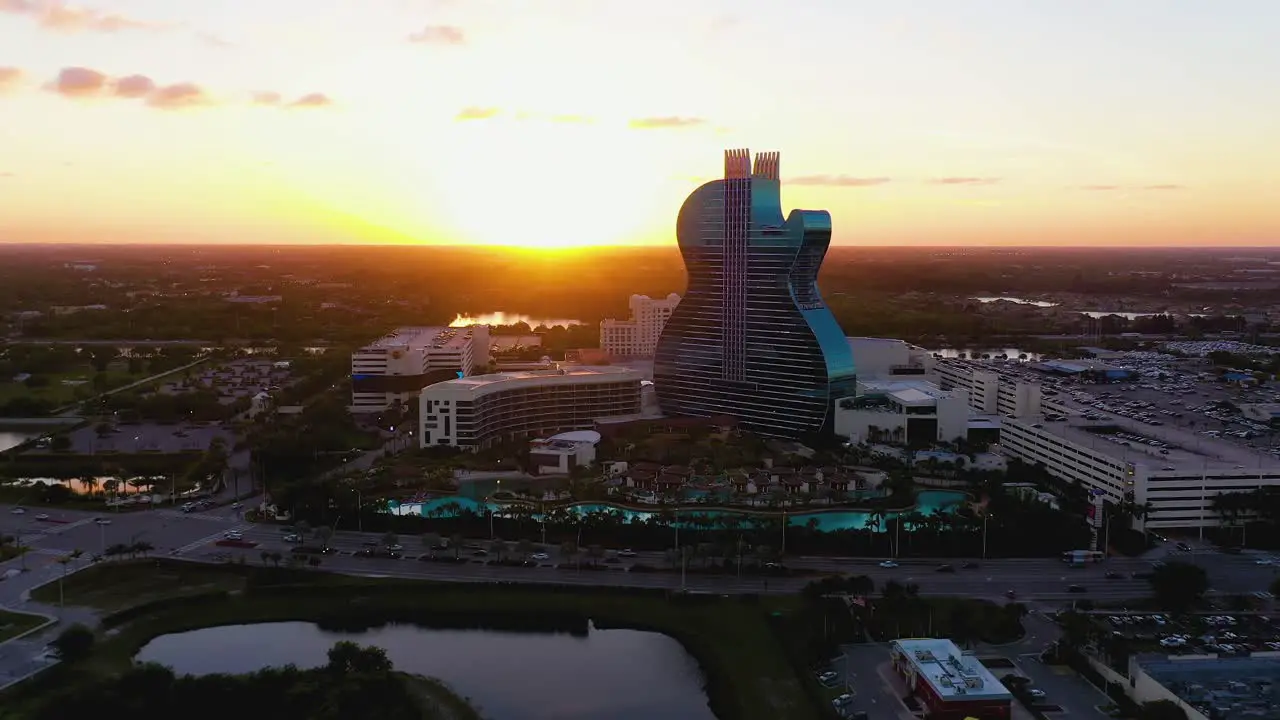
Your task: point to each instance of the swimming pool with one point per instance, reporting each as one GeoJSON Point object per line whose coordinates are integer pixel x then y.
{"type": "Point", "coordinates": [926, 503]}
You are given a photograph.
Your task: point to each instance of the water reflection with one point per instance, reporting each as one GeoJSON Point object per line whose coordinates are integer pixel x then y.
{"type": "Point", "coordinates": [617, 674]}
{"type": "Point", "coordinates": [501, 318]}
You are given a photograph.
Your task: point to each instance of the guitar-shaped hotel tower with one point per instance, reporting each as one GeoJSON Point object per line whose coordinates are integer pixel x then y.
{"type": "Point", "coordinates": [752, 338]}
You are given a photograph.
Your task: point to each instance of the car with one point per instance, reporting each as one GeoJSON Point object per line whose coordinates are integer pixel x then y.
{"type": "Point", "coordinates": [970, 566]}
{"type": "Point", "coordinates": [889, 564]}
{"type": "Point", "coordinates": [541, 556]}
{"type": "Point", "coordinates": [1263, 561]}
{"type": "Point", "coordinates": [479, 553]}
{"type": "Point", "coordinates": [293, 538]}
{"type": "Point", "coordinates": [828, 677]}
{"type": "Point", "coordinates": [1036, 694]}
{"type": "Point", "coordinates": [839, 702]}
{"type": "Point", "coordinates": [945, 569]}
{"type": "Point", "coordinates": [1113, 575]}
{"type": "Point", "coordinates": [1076, 589]}
{"type": "Point", "coordinates": [42, 516]}
{"type": "Point", "coordinates": [1184, 547]}
{"type": "Point", "coordinates": [237, 505]}
{"type": "Point", "coordinates": [395, 547]}
{"type": "Point", "coordinates": [18, 511]}
{"type": "Point", "coordinates": [1011, 594]}
{"type": "Point", "coordinates": [627, 553]}
{"type": "Point", "coordinates": [102, 521]}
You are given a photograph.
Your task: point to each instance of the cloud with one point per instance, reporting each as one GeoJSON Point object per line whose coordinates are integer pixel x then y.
{"type": "Point", "coordinates": [10, 77]}
{"type": "Point", "coordinates": [311, 100]}
{"type": "Point", "coordinates": [78, 82]}
{"type": "Point", "coordinates": [837, 181]}
{"type": "Point", "coordinates": [439, 35]}
{"type": "Point", "coordinates": [1162, 187]}
{"type": "Point", "coordinates": [672, 122]}
{"type": "Point", "coordinates": [1099, 187]}
{"type": "Point", "coordinates": [965, 181]}
{"type": "Point", "coordinates": [134, 86]}
{"type": "Point", "coordinates": [57, 15]}
{"type": "Point", "coordinates": [477, 113]}
{"type": "Point", "coordinates": [213, 40]}
{"type": "Point", "coordinates": [7, 174]}
{"type": "Point", "coordinates": [267, 98]}
{"type": "Point", "coordinates": [179, 96]}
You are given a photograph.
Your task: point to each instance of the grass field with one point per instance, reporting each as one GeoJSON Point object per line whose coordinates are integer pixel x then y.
{"type": "Point", "coordinates": [749, 677]}
{"type": "Point", "coordinates": [112, 586]}
{"type": "Point", "coordinates": [59, 393]}
{"type": "Point", "coordinates": [13, 624]}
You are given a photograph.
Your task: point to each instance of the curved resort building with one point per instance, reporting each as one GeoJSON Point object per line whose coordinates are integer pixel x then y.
{"type": "Point", "coordinates": [482, 410]}
{"type": "Point", "coordinates": [751, 337]}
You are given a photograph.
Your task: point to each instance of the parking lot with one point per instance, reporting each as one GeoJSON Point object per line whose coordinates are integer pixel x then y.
{"type": "Point", "coordinates": [1224, 634]}
{"type": "Point", "coordinates": [147, 437]}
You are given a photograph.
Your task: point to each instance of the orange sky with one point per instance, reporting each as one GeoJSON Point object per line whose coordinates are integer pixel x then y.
{"type": "Point", "coordinates": [552, 123]}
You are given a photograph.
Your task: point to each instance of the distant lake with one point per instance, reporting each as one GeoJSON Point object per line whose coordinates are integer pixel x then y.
{"type": "Point", "coordinates": [501, 318]}
{"type": "Point", "coordinates": [616, 674]}
{"type": "Point", "coordinates": [1016, 301]}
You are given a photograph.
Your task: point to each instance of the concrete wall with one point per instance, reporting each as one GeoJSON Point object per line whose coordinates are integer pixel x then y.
{"type": "Point", "coordinates": [1144, 688]}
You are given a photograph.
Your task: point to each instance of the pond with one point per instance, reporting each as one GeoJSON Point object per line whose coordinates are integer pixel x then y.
{"type": "Point", "coordinates": [926, 503]}
{"type": "Point", "coordinates": [12, 438]}
{"type": "Point", "coordinates": [618, 674]}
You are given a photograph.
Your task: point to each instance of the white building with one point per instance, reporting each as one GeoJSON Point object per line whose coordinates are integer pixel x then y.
{"type": "Point", "coordinates": [901, 412]}
{"type": "Point", "coordinates": [891, 359]}
{"type": "Point", "coordinates": [990, 392]}
{"type": "Point", "coordinates": [559, 454]}
{"type": "Point", "coordinates": [638, 335]}
{"type": "Point", "coordinates": [397, 367]}
{"type": "Point", "coordinates": [482, 410]}
{"type": "Point", "coordinates": [1178, 478]}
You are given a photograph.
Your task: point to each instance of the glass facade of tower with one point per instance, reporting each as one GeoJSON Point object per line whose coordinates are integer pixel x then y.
{"type": "Point", "coordinates": [752, 337]}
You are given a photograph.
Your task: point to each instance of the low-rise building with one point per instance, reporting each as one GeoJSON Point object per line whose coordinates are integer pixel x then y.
{"type": "Point", "coordinates": [902, 412]}
{"type": "Point", "coordinates": [559, 454]}
{"type": "Point", "coordinates": [396, 367]}
{"type": "Point", "coordinates": [990, 392]}
{"type": "Point", "coordinates": [482, 410]}
{"type": "Point", "coordinates": [1210, 688]}
{"type": "Point", "coordinates": [891, 359]}
{"type": "Point", "coordinates": [948, 684]}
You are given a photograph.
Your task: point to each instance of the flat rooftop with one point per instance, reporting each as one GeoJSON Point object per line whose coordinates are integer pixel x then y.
{"type": "Point", "coordinates": [1186, 450]}
{"type": "Point", "coordinates": [952, 674]}
{"type": "Point", "coordinates": [603, 372]}
{"type": "Point", "coordinates": [1233, 687]}
{"type": "Point", "coordinates": [438, 338]}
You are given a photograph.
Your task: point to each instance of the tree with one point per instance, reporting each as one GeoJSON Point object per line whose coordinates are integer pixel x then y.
{"type": "Point", "coordinates": [1179, 585]}
{"type": "Point", "coordinates": [390, 539]}
{"type": "Point", "coordinates": [346, 658]}
{"type": "Point", "coordinates": [1162, 710]}
{"type": "Point", "coordinates": [73, 644]}
{"type": "Point", "coordinates": [323, 535]}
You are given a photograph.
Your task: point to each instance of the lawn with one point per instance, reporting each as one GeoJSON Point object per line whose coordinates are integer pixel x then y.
{"type": "Point", "coordinates": [13, 624]}
{"type": "Point", "coordinates": [748, 675]}
{"type": "Point", "coordinates": [59, 393]}
{"type": "Point", "coordinates": [112, 586]}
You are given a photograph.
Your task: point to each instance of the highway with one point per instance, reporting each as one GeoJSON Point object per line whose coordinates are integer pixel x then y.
{"type": "Point", "coordinates": [192, 537]}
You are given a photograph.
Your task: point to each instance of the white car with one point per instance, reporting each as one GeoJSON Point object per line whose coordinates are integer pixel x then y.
{"type": "Point", "coordinates": [102, 521]}
{"type": "Point", "coordinates": [19, 511]}
{"type": "Point", "coordinates": [540, 556]}
{"type": "Point", "coordinates": [42, 516]}
{"type": "Point", "coordinates": [841, 701]}
{"type": "Point", "coordinates": [1036, 694]}
{"type": "Point", "coordinates": [889, 564]}
{"type": "Point", "coordinates": [233, 535]}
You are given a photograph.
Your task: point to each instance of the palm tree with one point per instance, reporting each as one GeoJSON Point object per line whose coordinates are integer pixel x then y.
{"type": "Point", "coordinates": [455, 542]}
{"type": "Point", "coordinates": [524, 548]}
{"type": "Point", "coordinates": [430, 541]}
{"type": "Point", "coordinates": [569, 551]}
{"type": "Point", "coordinates": [498, 548]}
